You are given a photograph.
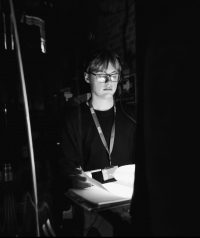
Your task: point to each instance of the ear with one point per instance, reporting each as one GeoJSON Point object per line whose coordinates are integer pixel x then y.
{"type": "Point", "coordinates": [86, 76]}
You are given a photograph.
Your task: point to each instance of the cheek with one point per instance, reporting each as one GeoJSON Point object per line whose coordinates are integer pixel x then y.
{"type": "Point", "coordinates": [95, 87]}
{"type": "Point", "coordinates": [115, 86]}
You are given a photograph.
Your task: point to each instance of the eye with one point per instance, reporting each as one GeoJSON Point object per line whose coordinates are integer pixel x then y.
{"type": "Point", "coordinates": [114, 76]}
{"type": "Point", "coordinates": [101, 77]}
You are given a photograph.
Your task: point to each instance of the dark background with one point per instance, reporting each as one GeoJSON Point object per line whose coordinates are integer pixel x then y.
{"type": "Point", "coordinates": [168, 119]}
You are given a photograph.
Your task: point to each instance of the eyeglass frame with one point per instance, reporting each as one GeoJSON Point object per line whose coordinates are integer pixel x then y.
{"type": "Point", "coordinates": [107, 77]}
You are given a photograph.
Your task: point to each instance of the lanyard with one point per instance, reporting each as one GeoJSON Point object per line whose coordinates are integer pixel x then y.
{"type": "Point", "coordinates": [112, 137]}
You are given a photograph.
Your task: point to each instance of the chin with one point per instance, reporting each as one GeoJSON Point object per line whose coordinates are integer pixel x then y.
{"type": "Point", "coordinates": [108, 95]}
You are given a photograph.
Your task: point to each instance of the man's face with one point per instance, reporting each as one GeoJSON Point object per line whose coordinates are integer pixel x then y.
{"type": "Point", "coordinates": [103, 89]}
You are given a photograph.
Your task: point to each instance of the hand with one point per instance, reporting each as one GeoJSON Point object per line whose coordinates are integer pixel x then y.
{"type": "Point", "coordinates": [79, 180]}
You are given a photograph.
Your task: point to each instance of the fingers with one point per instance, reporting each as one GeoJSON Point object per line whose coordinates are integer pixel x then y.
{"type": "Point", "coordinates": [77, 171]}
{"type": "Point", "coordinates": [81, 185]}
{"type": "Point", "coordinates": [79, 181]}
{"type": "Point", "coordinates": [79, 177]}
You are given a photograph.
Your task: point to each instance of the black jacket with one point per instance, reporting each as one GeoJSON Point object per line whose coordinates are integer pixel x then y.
{"type": "Point", "coordinates": [81, 144]}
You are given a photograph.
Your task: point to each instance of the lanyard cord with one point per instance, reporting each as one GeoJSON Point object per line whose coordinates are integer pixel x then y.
{"type": "Point", "coordinates": [96, 121]}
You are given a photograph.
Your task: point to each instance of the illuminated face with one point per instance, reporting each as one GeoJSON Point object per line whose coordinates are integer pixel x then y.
{"type": "Point", "coordinates": [100, 87]}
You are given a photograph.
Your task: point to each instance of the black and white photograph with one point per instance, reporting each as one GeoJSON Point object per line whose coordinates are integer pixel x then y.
{"type": "Point", "coordinates": [99, 118]}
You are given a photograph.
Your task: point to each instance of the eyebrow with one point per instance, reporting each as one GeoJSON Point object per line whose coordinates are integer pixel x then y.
{"type": "Point", "coordinates": [103, 72]}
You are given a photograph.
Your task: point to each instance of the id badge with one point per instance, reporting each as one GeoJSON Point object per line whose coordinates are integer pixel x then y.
{"type": "Point", "coordinates": [108, 172]}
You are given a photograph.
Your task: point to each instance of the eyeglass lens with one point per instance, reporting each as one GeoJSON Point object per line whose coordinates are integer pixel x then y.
{"type": "Point", "coordinates": [107, 77]}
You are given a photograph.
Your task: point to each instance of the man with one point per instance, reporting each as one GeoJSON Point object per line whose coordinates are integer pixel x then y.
{"type": "Point", "coordinates": [97, 134]}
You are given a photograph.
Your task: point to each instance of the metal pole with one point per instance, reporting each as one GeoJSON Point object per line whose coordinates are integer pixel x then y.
{"type": "Point", "coordinates": [26, 113]}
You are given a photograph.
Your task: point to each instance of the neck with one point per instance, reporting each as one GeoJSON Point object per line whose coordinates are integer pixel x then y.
{"type": "Point", "coordinates": [102, 104]}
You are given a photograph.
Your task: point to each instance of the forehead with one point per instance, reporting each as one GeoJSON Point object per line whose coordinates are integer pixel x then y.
{"type": "Point", "coordinates": [110, 67]}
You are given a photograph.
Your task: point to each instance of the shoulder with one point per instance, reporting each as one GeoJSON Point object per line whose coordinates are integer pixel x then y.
{"type": "Point", "coordinates": [75, 112]}
{"type": "Point", "coordinates": [126, 113]}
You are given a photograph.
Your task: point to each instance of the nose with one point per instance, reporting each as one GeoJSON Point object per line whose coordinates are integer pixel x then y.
{"type": "Point", "coordinates": [108, 81]}
{"type": "Point", "coordinates": [108, 78]}
{"type": "Point", "coordinates": [108, 84]}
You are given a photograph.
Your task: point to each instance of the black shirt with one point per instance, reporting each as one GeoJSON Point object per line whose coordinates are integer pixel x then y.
{"type": "Point", "coordinates": [81, 144]}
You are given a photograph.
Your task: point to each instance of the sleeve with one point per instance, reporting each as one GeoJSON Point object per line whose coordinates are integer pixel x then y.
{"type": "Point", "coordinates": [128, 123]}
{"type": "Point", "coordinates": [128, 112]}
{"type": "Point", "coordinates": [71, 151]}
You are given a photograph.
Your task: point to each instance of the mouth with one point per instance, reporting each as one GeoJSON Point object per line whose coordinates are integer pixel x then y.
{"type": "Point", "coordinates": [107, 89]}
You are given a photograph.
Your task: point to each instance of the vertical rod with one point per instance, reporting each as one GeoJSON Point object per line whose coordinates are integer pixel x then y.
{"type": "Point", "coordinates": [4, 31]}
{"type": "Point", "coordinates": [27, 114]}
{"type": "Point", "coordinates": [11, 34]}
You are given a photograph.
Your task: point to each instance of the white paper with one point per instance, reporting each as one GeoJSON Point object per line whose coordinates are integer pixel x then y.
{"type": "Point", "coordinates": [97, 195]}
{"type": "Point", "coordinates": [118, 191]}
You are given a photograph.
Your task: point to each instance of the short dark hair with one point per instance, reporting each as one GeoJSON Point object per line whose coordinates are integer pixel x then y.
{"type": "Point", "coordinates": [100, 59]}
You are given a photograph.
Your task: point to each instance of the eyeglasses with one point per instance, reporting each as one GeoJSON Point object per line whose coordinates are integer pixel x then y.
{"type": "Point", "coordinates": [102, 78]}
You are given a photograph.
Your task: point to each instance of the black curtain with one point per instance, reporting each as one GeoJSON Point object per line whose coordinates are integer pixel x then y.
{"type": "Point", "coordinates": [166, 201]}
